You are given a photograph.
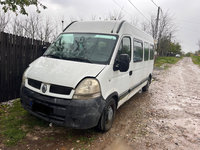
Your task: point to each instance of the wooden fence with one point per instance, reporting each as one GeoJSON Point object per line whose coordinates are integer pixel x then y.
{"type": "Point", "coordinates": [16, 53]}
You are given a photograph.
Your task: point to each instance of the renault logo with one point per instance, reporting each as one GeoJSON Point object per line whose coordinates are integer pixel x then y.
{"type": "Point", "coordinates": [44, 88]}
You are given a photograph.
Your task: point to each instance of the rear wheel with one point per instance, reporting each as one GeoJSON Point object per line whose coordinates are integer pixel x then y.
{"type": "Point", "coordinates": [108, 115]}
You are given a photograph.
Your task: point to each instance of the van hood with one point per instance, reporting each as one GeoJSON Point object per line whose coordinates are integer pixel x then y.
{"type": "Point", "coordinates": [62, 72]}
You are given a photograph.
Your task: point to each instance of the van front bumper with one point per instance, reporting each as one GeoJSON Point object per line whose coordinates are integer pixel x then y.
{"type": "Point", "coordinates": [79, 114]}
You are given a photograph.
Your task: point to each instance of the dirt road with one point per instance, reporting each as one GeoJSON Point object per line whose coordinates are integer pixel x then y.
{"type": "Point", "coordinates": [165, 117]}
{"type": "Point", "coordinates": [169, 114]}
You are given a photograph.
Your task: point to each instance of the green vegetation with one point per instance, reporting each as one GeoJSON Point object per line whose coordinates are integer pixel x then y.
{"type": "Point", "coordinates": [15, 123]}
{"type": "Point", "coordinates": [189, 54]}
{"type": "Point", "coordinates": [160, 61]}
{"type": "Point", "coordinates": [165, 47]}
{"type": "Point", "coordinates": [19, 6]}
{"type": "Point", "coordinates": [175, 48]}
{"type": "Point", "coordinates": [196, 59]}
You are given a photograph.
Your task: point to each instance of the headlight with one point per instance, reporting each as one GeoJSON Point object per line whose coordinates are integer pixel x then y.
{"type": "Point", "coordinates": [87, 89]}
{"type": "Point", "coordinates": [23, 78]}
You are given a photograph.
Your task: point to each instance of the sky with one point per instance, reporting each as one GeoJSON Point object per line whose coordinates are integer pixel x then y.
{"type": "Point", "coordinates": [185, 14]}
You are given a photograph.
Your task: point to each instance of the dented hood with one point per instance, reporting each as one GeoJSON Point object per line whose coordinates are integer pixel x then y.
{"type": "Point", "coordinates": [62, 72]}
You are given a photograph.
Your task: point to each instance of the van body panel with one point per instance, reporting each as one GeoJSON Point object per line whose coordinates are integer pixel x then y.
{"type": "Point", "coordinates": [83, 114]}
{"type": "Point", "coordinates": [62, 72]}
{"type": "Point", "coordinates": [112, 82]}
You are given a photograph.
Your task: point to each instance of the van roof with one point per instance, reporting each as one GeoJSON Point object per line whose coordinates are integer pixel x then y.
{"type": "Point", "coordinates": [108, 27]}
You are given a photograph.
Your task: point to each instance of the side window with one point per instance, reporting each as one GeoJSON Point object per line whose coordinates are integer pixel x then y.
{"type": "Point", "coordinates": [137, 51]}
{"type": "Point", "coordinates": [125, 46]}
{"type": "Point", "coordinates": [151, 52]}
{"type": "Point", "coordinates": [146, 51]}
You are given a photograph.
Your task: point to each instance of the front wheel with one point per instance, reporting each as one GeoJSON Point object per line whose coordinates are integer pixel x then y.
{"type": "Point", "coordinates": [108, 115]}
{"type": "Point", "coordinates": [146, 87]}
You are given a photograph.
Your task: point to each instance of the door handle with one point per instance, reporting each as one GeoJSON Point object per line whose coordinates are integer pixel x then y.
{"type": "Point", "coordinates": [130, 73]}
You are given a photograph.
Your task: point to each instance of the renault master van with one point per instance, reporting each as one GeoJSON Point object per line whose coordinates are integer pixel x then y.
{"type": "Point", "coordinates": [89, 71]}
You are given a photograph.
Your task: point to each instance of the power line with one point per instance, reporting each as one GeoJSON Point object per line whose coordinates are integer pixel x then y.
{"type": "Point", "coordinates": [122, 8]}
{"type": "Point", "coordinates": [154, 3]}
{"type": "Point", "coordinates": [138, 10]}
{"type": "Point", "coordinates": [157, 6]}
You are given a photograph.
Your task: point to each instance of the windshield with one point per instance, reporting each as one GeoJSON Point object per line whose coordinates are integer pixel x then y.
{"type": "Point", "coordinates": [90, 48]}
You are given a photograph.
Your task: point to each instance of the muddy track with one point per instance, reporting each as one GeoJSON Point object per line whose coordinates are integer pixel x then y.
{"type": "Point", "coordinates": [165, 117]}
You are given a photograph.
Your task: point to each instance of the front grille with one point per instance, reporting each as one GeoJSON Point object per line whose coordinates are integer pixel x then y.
{"type": "Point", "coordinates": [34, 83]}
{"type": "Point", "coordinates": [60, 89]}
{"type": "Point", "coordinates": [57, 89]}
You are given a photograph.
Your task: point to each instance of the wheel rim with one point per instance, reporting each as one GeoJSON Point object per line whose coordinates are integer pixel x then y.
{"type": "Point", "coordinates": [110, 113]}
{"type": "Point", "coordinates": [148, 83]}
{"type": "Point", "coordinates": [109, 117]}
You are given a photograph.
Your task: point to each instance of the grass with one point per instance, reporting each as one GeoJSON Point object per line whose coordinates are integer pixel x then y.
{"type": "Point", "coordinates": [15, 123]}
{"type": "Point", "coordinates": [196, 59]}
{"type": "Point", "coordinates": [160, 61]}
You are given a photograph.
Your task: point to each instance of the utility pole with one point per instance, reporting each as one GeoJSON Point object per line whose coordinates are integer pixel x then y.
{"type": "Point", "coordinates": [156, 36]}
{"type": "Point", "coordinates": [157, 20]}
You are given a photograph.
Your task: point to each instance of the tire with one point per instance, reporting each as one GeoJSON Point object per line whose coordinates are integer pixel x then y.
{"type": "Point", "coordinates": [108, 115]}
{"type": "Point", "coordinates": [146, 87]}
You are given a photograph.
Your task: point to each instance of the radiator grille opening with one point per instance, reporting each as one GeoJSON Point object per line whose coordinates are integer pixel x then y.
{"type": "Point", "coordinates": [34, 83]}
{"type": "Point", "coordinates": [60, 89]}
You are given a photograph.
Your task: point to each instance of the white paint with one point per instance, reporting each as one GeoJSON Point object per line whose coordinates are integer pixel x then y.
{"type": "Point", "coordinates": [70, 73]}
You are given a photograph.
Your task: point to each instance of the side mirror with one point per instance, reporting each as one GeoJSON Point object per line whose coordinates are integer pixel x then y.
{"type": "Point", "coordinates": [122, 64]}
{"type": "Point", "coordinates": [44, 48]}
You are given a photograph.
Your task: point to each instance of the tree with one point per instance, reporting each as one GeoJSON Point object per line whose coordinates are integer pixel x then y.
{"type": "Point", "coordinates": [115, 15]}
{"type": "Point", "coordinates": [166, 30]}
{"type": "Point", "coordinates": [175, 48]}
{"type": "Point", "coordinates": [198, 43]}
{"type": "Point", "coordinates": [45, 30]}
{"type": "Point", "coordinates": [93, 17]}
{"type": "Point", "coordinates": [145, 26]}
{"type": "Point", "coordinates": [18, 6]}
{"type": "Point", "coordinates": [4, 20]}
{"type": "Point", "coordinates": [134, 21]}
{"type": "Point", "coordinates": [34, 26]}
{"type": "Point", "coordinates": [17, 27]}
{"type": "Point", "coordinates": [198, 51]}
{"type": "Point", "coordinates": [31, 26]}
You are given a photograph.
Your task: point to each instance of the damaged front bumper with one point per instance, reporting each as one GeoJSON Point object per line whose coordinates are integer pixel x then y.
{"type": "Point", "coordinates": [79, 114]}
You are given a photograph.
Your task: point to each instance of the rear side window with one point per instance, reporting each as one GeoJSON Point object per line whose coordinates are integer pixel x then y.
{"type": "Point", "coordinates": [151, 52]}
{"type": "Point", "coordinates": [138, 51]}
{"type": "Point", "coordinates": [125, 46]}
{"type": "Point", "coordinates": [146, 51]}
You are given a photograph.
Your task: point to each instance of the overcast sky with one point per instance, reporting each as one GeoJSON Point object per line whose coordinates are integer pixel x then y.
{"type": "Point", "coordinates": [186, 14]}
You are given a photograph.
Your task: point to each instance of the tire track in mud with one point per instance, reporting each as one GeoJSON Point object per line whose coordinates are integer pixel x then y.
{"type": "Point", "coordinates": [180, 103]}
{"type": "Point", "coordinates": [169, 114]}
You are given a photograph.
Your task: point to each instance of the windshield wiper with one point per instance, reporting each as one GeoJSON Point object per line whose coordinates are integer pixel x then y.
{"type": "Point", "coordinates": [52, 56]}
{"type": "Point", "coordinates": [78, 59]}
{"type": "Point", "coordinates": [68, 58]}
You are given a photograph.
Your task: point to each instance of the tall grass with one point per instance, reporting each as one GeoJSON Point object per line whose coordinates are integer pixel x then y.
{"type": "Point", "coordinates": [196, 59]}
{"type": "Point", "coordinates": [165, 60]}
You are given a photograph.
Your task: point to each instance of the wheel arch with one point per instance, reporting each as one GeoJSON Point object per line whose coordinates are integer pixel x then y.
{"type": "Point", "coordinates": [115, 96]}
{"type": "Point", "coordinates": [150, 77]}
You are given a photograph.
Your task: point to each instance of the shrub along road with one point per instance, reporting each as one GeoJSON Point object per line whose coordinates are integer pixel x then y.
{"type": "Point", "coordinates": [165, 117]}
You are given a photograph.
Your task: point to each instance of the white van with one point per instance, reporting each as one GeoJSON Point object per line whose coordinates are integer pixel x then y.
{"type": "Point", "coordinates": [88, 72]}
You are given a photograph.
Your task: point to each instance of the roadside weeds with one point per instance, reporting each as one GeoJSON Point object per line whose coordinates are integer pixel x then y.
{"type": "Point", "coordinates": [196, 59]}
{"type": "Point", "coordinates": [165, 62]}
